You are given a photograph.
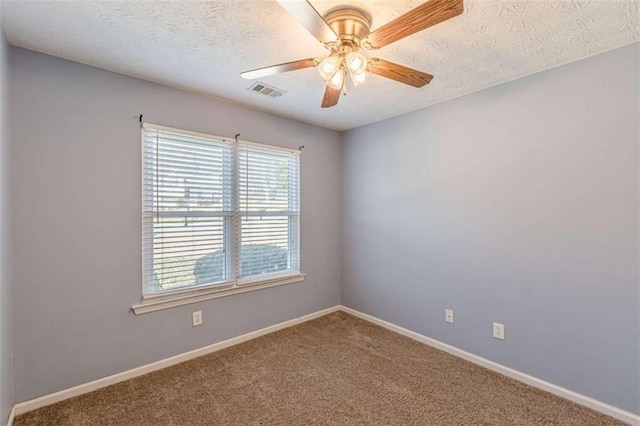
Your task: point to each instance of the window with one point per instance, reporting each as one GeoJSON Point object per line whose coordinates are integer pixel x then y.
{"type": "Point", "coordinates": [218, 216]}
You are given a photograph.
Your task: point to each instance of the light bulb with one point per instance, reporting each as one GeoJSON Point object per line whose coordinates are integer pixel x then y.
{"type": "Point", "coordinates": [328, 67]}
{"type": "Point", "coordinates": [358, 79]}
{"type": "Point", "coordinates": [356, 62]}
{"type": "Point", "coordinates": [337, 80]}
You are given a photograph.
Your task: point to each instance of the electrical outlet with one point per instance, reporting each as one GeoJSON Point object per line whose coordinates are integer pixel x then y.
{"type": "Point", "coordinates": [498, 330]}
{"type": "Point", "coordinates": [197, 318]}
{"type": "Point", "coordinates": [448, 315]}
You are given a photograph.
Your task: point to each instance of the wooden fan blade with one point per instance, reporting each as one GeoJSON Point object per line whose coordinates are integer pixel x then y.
{"type": "Point", "coordinates": [399, 73]}
{"type": "Point", "coordinates": [424, 16]}
{"type": "Point", "coordinates": [310, 19]}
{"type": "Point", "coordinates": [331, 97]}
{"type": "Point", "coordinates": [277, 69]}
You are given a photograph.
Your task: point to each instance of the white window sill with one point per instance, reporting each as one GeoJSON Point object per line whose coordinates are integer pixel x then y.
{"type": "Point", "coordinates": [165, 301]}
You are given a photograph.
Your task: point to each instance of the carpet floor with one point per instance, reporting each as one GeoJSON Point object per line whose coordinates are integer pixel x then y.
{"type": "Point", "coordinates": [336, 370]}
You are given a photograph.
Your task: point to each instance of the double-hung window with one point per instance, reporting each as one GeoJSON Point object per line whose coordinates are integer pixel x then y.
{"type": "Point", "coordinates": [219, 217]}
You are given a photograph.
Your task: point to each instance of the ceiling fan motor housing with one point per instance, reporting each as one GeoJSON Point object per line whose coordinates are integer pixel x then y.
{"type": "Point", "coordinates": [350, 25]}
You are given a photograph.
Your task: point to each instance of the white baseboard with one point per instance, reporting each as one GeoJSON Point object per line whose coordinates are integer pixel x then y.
{"type": "Point", "coordinates": [588, 402]}
{"type": "Point", "coordinates": [592, 403]}
{"type": "Point", "coordinates": [45, 400]}
{"type": "Point", "coordinates": [12, 415]}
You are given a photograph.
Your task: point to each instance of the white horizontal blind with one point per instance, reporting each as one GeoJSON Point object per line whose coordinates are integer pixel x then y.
{"type": "Point", "coordinates": [187, 210]}
{"type": "Point", "coordinates": [269, 211]}
{"type": "Point", "coordinates": [216, 212]}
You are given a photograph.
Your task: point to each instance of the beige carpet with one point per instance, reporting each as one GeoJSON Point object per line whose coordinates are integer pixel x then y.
{"type": "Point", "coordinates": [336, 369]}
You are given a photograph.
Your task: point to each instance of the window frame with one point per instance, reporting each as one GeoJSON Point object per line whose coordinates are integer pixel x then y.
{"type": "Point", "coordinates": [234, 284]}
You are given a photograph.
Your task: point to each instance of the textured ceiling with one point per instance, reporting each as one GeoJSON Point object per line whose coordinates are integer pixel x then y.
{"type": "Point", "coordinates": [202, 46]}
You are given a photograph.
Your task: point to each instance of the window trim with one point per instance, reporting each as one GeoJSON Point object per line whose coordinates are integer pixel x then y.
{"type": "Point", "coordinates": [162, 301]}
{"type": "Point", "coordinates": [165, 300]}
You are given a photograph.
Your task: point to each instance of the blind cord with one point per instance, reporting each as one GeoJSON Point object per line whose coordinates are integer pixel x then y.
{"type": "Point", "coordinates": [158, 192]}
{"type": "Point", "coordinates": [157, 178]}
{"type": "Point", "coordinates": [246, 192]}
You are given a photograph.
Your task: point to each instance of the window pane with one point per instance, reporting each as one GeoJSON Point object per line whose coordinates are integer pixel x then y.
{"type": "Point", "coordinates": [268, 202]}
{"type": "Point", "coordinates": [267, 180]}
{"type": "Point", "coordinates": [187, 251]}
{"type": "Point", "coordinates": [182, 175]}
{"type": "Point", "coordinates": [187, 201]}
{"type": "Point", "coordinates": [265, 245]}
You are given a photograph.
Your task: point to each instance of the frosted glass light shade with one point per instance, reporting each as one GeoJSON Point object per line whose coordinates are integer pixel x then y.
{"type": "Point", "coordinates": [356, 63]}
{"type": "Point", "coordinates": [337, 79]}
{"type": "Point", "coordinates": [358, 79]}
{"type": "Point", "coordinates": [328, 67]}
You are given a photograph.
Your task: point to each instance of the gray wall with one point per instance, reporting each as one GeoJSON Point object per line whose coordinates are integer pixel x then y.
{"type": "Point", "coordinates": [516, 204]}
{"type": "Point", "coordinates": [6, 368]}
{"type": "Point", "coordinates": [77, 245]}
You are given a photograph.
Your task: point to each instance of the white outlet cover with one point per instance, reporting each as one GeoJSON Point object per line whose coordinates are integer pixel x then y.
{"type": "Point", "coordinates": [448, 315]}
{"type": "Point", "coordinates": [498, 330]}
{"type": "Point", "coordinates": [197, 318]}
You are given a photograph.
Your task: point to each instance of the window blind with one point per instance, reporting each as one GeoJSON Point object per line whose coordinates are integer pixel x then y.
{"type": "Point", "coordinates": [269, 210]}
{"type": "Point", "coordinates": [215, 212]}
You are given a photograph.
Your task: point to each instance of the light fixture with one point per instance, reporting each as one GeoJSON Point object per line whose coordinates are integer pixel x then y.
{"type": "Point", "coordinates": [337, 79]}
{"type": "Point", "coordinates": [356, 62]}
{"type": "Point", "coordinates": [358, 79]}
{"type": "Point", "coordinates": [334, 68]}
{"type": "Point", "coordinates": [328, 66]}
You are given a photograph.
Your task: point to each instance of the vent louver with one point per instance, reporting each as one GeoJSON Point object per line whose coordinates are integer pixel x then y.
{"type": "Point", "coordinates": [267, 90]}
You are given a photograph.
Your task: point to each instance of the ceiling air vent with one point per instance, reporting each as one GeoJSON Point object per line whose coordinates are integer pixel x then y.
{"type": "Point", "coordinates": [265, 89]}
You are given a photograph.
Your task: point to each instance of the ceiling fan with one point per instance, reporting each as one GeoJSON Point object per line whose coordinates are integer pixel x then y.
{"type": "Point", "coordinates": [344, 31]}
